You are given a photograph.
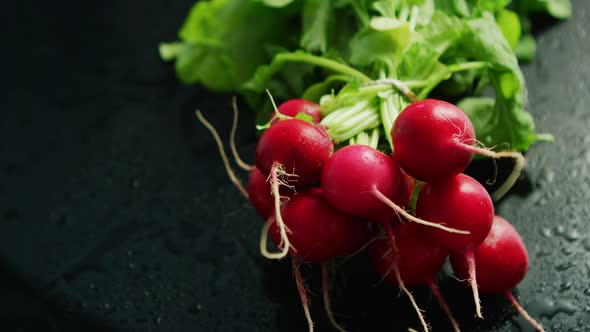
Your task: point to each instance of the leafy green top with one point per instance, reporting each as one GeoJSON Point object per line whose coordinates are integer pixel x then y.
{"type": "Point", "coordinates": [451, 49]}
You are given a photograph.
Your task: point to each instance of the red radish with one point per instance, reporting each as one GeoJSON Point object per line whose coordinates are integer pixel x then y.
{"type": "Point", "coordinates": [427, 139]}
{"type": "Point", "coordinates": [501, 263]}
{"type": "Point", "coordinates": [403, 195]}
{"type": "Point", "coordinates": [351, 174]}
{"type": "Point", "coordinates": [418, 260]}
{"type": "Point", "coordinates": [459, 202]}
{"type": "Point", "coordinates": [292, 107]}
{"type": "Point", "coordinates": [259, 193]}
{"type": "Point", "coordinates": [433, 139]}
{"type": "Point", "coordinates": [292, 152]}
{"type": "Point", "coordinates": [414, 262]}
{"type": "Point", "coordinates": [300, 147]}
{"type": "Point", "coordinates": [362, 181]}
{"type": "Point", "coordinates": [318, 230]}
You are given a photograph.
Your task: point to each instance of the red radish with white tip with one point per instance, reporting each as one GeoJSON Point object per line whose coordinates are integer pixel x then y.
{"type": "Point", "coordinates": [292, 107]}
{"type": "Point", "coordinates": [501, 263]}
{"type": "Point", "coordinates": [411, 262]}
{"type": "Point", "coordinates": [463, 203]}
{"type": "Point", "coordinates": [433, 139]}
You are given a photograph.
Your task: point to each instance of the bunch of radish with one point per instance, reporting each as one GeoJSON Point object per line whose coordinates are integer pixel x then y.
{"type": "Point", "coordinates": [412, 207]}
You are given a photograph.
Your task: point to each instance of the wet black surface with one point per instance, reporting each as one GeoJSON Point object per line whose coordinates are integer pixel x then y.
{"type": "Point", "coordinates": [116, 214]}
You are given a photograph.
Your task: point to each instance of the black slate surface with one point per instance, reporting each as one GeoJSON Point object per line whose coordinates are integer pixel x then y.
{"type": "Point", "coordinates": [116, 213]}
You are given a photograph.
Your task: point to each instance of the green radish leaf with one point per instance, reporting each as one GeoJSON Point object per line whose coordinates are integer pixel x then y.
{"type": "Point", "coordinates": [316, 17]}
{"type": "Point", "coordinates": [383, 41]}
{"type": "Point", "coordinates": [216, 42]}
{"type": "Point", "coordinates": [526, 48]}
{"type": "Point", "coordinates": [509, 23]}
{"type": "Point", "coordinates": [508, 126]}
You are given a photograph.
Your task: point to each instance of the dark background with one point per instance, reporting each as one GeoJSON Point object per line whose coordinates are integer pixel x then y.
{"type": "Point", "coordinates": [116, 213]}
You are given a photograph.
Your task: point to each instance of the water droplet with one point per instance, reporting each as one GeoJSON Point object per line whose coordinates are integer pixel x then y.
{"type": "Point", "coordinates": [567, 251]}
{"type": "Point", "coordinates": [586, 243]}
{"type": "Point", "coordinates": [564, 266]}
{"type": "Point", "coordinates": [135, 183]}
{"type": "Point", "coordinates": [565, 286]}
{"type": "Point", "coordinates": [544, 307]}
{"type": "Point", "coordinates": [158, 320]}
{"type": "Point", "coordinates": [568, 234]}
{"type": "Point", "coordinates": [546, 232]}
{"type": "Point", "coordinates": [543, 253]}
{"type": "Point", "coordinates": [195, 309]}
{"type": "Point", "coordinates": [546, 176]}
{"type": "Point", "coordinates": [107, 306]}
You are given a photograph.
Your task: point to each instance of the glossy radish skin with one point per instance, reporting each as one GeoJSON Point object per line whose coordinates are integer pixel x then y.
{"type": "Point", "coordinates": [459, 202]}
{"type": "Point", "coordinates": [318, 230]}
{"type": "Point", "coordinates": [501, 260]}
{"type": "Point", "coordinates": [292, 107]}
{"type": "Point", "coordinates": [300, 147]}
{"type": "Point", "coordinates": [427, 140]}
{"type": "Point", "coordinates": [259, 193]}
{"type": "Point", "coordinates": [349, 176]}
{"type": "Point", "coordinates": [419, 258]}
{"type": "Point", "coordinates": [260, 196]}
{"type": "Point", "coordinates": [405, 188]}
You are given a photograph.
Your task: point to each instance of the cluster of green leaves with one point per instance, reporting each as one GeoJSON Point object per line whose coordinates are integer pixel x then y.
{"type": "Point", "coordinates": [451, 49]}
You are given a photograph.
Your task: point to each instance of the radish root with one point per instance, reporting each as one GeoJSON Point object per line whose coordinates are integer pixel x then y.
{"type": "Point", "coordinates": [523, 312]}
{"type": "Point", "coordinates": [326, 294]}
{"type": "Point", "coordinates": [284, 244]}
{"type": "Point", "coordinates": [519, 164]}
{"type": "Point", "coordinates": [469, 257]}
{"type": "Point", "coordinates": [404, 213]}
{"type": "Point", "coordinates": [302, 293]}
{"type": "Point", "coordinates": [232, 139]}
{"type": "Point", "coordinates": [230, 172]}
{"type": "Point", "coordinates": [400, 282]}
{"type": "Point", "coordinates": [443, 304]}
